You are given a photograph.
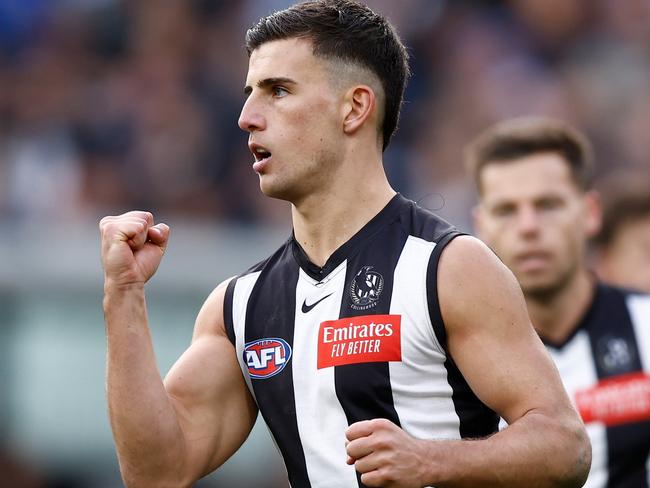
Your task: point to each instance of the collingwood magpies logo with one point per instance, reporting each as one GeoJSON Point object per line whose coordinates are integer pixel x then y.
{"type": "Point", "coordinates": [615, 354]}
{"type": "Point", "coordinates": [365, 288]}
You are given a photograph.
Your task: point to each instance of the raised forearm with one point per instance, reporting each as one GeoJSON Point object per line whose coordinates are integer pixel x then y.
{"type": "Point", "coordinates": [148, 438]}
{"type": "Point", "coordinates": [536, 451]}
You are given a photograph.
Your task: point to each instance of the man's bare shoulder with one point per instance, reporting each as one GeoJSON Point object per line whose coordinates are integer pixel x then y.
{"type": "Point", "coordinates": [467, 256]}
{"type": "Point", "coordinates": [473, 281]}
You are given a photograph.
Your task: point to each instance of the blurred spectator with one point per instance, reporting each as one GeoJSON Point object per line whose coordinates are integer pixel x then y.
{"type": "Point", "coordinates": [623, 245]}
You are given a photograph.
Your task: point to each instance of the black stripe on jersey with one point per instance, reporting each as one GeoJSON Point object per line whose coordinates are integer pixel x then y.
{"type": "Point", "coordinates": [227, 310]}
{"type": "Point", "coordinates": [364, 389]}
{"type": "Point", "coordinates": [270, 313]}
{"type": "Point", "coordinates": [615, 352]}
{"type": "Point", "coordinates": [432, 288]}
{"type": "Point", "coordinates": [476, 419]}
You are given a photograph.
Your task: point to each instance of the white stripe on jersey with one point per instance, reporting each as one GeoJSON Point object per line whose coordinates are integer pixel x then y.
{"type": "Point", "coordinates": [319, 415]}
{"type": "Point", "coordinates": [421, 392]}
{"type": "Point", "coordinates": [639, 307]}
{"type": "Point", "coordinates": [576, 366]}
{"type": "Point", "coordinates": [242, 292]}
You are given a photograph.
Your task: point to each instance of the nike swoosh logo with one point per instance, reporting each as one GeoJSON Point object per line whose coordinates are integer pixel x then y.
{"type": "Point", "coordinates": [307, 308]}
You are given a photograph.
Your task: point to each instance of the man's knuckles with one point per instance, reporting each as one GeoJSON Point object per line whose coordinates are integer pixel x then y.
{"type": "Point", "coordinates": [381, 424]}
{"type": "Point", "coordinates": [143, 218]}
{"type": "Point", "coordinates": [124, 229]}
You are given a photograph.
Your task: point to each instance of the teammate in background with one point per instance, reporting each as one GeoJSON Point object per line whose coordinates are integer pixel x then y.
{"type": "Point", "coordinates": [378, 343]}
{"type": "Point", "coordinates": [623, 244]}
{"type": "Point", "coordinates": [537, 210]}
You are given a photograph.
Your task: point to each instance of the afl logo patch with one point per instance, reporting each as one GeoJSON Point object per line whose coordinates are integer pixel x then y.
{"type": "Point", "coordinates": [365, 288]}
{"type": "Point", "coordinates": [266, 357]}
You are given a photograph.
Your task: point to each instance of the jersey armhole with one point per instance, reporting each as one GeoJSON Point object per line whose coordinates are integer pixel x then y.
{"type": "Point", "coordinates": [227, 310]}
{"type": "Point", "coordinates": [432, 287]}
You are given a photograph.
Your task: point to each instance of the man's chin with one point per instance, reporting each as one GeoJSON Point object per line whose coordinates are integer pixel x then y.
{"type": "Point", "coordinates": [269, 187]}
{"type": "Point", "coordinates": [539, 288]}
{"type": "Point", "coordinates": [275, 191]}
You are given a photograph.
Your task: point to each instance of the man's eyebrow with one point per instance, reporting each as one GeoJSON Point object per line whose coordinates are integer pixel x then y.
{"type": "Point", "coordinates": [269, 82]}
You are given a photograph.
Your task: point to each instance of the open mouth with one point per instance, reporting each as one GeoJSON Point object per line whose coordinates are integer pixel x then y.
{"type": "Point", "coordinates": [260, 153]}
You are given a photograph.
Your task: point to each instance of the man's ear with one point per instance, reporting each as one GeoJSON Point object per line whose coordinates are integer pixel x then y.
{"type": "Point", "coordinates": [359, 106]}
{"type": "Point", "coordinates": [477, 220]}
{"type": "Point", "coordinates": [593, 213]}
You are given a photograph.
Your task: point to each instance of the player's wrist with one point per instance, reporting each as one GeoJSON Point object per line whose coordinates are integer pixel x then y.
{"type": "Point", "coordinates": [113, 286]}
{"type": "Point", "coordinates": [439, 459]}
{"type": "Point", "coordinates": [124, 300]}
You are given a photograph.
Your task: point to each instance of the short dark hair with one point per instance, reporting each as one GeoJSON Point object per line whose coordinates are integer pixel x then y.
{"type": "Point", "coordinates": [520, 137]}
{"type": "Point", "coordinates": [626, 198]}
{"type": "Point", "coordinates": [348, 31]}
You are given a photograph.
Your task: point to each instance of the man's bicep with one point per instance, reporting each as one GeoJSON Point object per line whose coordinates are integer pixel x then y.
{"type": "Point", "coordinates": [215, 410]}
{"type": "Point", "coordinates": [489, 333]}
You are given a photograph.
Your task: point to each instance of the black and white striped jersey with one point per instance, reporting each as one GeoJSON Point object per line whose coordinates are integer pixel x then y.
{"type": "Point", "coordinates": [360, 338]}
{"type": "Point", "coordinates": [605, 367]}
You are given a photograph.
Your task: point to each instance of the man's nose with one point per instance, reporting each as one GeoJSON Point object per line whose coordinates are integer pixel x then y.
{"type": "Point", "coordinates": [250, 118]}
{"type": "Point", "coordinates": [528, 221]}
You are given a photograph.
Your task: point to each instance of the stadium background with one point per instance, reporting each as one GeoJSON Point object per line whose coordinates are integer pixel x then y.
{"type": "Point", "coordinates": [109, 105]}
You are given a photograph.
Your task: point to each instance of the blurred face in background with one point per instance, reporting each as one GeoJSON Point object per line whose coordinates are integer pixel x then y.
{"type": "Point", "coordinates": [537, 220]}
{"type": "Point", "coordinates": [292, 113]}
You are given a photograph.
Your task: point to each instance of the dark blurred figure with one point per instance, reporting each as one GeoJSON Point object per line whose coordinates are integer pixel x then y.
{"type": "Point", "coordinates": [15, 473]}
{"type": "Point", "coordinates": [623, 245]}
{"type": "Point", "coordinates": [19, 472]}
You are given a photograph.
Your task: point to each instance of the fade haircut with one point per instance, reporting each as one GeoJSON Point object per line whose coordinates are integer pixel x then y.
{"type": "Point", "coordinates": [346, 31]}
{"type": "Point", "coordinates": [517, 138]}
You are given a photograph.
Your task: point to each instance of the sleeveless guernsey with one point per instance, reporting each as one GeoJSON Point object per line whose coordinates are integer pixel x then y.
{"type": "Point", "coordinates": [360, 338]}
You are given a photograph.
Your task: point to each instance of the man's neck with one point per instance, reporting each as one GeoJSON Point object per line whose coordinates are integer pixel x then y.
{"type": "Point", "coordinates": [555, 316]}
{"type": "Point", "coordinates": [324, 222]}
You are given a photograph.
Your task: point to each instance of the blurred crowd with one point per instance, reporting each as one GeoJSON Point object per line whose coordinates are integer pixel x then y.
{"type": "Point", "coordinates": [107, 105]}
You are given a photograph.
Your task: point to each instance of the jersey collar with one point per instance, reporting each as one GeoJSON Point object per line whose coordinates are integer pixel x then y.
{"type": "Point", "coordinates": [349, 248]}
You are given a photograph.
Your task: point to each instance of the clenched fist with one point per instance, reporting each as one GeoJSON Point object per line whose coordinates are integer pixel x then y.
{"type": "Point", "coordinates": [132, 247]}
{"type": "Point", "coordinates": [385, 455]}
